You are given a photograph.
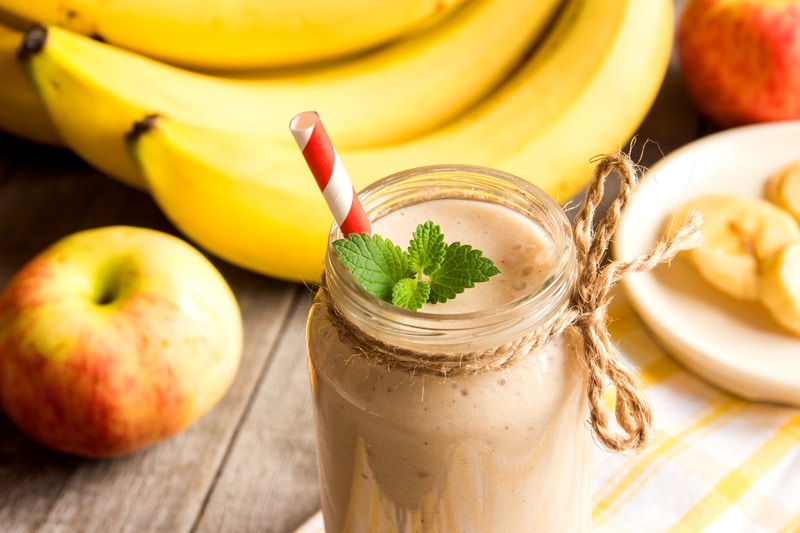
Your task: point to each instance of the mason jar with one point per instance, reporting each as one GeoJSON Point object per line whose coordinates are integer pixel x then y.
{"type": "Point", "coordinates": [467, 416]}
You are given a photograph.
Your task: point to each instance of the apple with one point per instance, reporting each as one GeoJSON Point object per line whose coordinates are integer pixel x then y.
{"type": "Point", "coordinates": [115, 338]}
{"type": "Point", "coordinates": [740, 59]}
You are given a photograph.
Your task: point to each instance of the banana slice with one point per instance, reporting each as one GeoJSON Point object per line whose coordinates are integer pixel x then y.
{"type": "Point", "coordinates": [780, 287]}
{"type": "Point", "coordinates": [738, 234]}
{"type": "Point", "coordinates": [783, 189]}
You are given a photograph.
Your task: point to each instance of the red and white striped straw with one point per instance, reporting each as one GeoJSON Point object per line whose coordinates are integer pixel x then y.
{"type": "Point", "coordinates": [333, 181]}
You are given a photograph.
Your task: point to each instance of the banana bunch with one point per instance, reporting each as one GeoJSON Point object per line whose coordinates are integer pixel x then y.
{"type": "Point", "coordinates": [412, 85]}
{"type": "Point", "coordinates": [751, 246]}
{"type": "Point", "coordinates": [533, 88]}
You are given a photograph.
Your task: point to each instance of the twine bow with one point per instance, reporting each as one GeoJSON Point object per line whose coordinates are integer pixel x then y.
{"type": "Point", "coordinates": [592, 296]}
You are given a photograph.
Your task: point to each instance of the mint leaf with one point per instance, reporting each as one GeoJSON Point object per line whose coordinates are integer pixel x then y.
{"type": "Point", "coordinates": [461, 268]}
{"type": "Point", "coordinates": [410, 293]}
{"type": "Point", "coordinates": [375, 262]}
{"type": "Point", "coordinates": [396, 276]}
{"type": "Point", "coordinates": [427, 248]}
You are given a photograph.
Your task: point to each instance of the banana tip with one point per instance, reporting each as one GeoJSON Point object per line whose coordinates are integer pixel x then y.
{"type": "Point", "coordinates": [140, 127]}
{"type": "Point", "coordinates": [33, 42]}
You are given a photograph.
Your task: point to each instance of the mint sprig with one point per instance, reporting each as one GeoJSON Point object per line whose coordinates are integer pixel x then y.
{"type": "Point", "coordinates": [428, 271]}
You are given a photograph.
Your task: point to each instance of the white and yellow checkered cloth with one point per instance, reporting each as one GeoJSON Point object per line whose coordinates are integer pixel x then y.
{"type": "Point", "coordinates": [717, 463]}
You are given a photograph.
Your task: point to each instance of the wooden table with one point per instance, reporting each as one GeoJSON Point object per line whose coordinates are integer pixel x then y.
{"type": "Point", "coordinates": [249, 465]}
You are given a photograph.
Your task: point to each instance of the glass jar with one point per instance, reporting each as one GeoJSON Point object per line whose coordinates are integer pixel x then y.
{"type": "Point", "coordinates": [452, 421]}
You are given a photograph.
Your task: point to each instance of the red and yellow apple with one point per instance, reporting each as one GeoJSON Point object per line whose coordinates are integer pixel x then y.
{"type": "Point", "coordinates": [115, 338]}
{"type": "Point", "coordinates": [740, 59]}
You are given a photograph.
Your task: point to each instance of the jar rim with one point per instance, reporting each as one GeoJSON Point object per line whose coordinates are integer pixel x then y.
{"type": "Point", "coordinates": [442, 182]}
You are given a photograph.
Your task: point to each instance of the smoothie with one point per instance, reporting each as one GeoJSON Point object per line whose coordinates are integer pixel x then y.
{"type": "Point", "coordinates": [501, 451]}
{"type": "Point", "coordinates": [521, 250]}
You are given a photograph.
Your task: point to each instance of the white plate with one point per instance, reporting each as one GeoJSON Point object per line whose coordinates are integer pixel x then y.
{"type": "Point", "coordinates": [731, 344]}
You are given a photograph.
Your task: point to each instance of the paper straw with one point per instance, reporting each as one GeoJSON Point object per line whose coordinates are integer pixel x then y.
{"type": "Point", "coordinates": [333, 181]}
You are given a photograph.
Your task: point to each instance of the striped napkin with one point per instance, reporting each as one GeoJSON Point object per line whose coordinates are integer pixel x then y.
{"type": "Point", "coordinates": [717, 463]}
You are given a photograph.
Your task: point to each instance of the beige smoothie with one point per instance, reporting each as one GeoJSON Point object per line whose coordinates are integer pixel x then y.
{"type": "Point", "coordinates": [502, 451]}
{"type": "Point", "coordinates": [521, 250]}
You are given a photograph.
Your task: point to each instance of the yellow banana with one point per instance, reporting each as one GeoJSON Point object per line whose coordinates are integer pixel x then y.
{"type": "Point", "coordinates": [252, 201]}
{"type": "Point", "coordinates": [94, 91]}
{"type": "Point", "coordinates": [234, 34]}
{"type": "Point", "coordinates": [22, 113]}
{"type": "Point", "coordinates": [265, 215]}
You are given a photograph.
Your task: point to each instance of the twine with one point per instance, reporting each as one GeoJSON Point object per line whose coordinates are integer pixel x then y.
{"type": "Point", "coordinates": [586, 311]}
{"type": "Point", "coordinates": [592, 296]}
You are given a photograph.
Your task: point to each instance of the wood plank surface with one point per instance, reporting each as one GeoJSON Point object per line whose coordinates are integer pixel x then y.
{"type": "Point", "coordinates": [269, 483]}
{"type": "Point", "coordinates": [44, 195]}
